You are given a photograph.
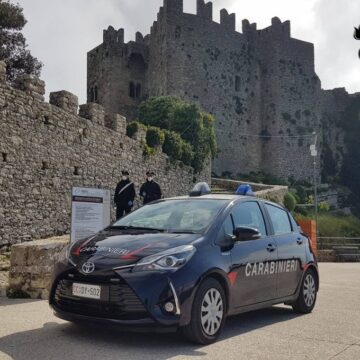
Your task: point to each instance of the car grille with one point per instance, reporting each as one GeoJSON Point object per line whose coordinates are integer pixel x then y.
{"type": "Point", "coordinates": [118, 301]}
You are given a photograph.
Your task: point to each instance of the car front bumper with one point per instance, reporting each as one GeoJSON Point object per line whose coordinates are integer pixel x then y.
{"type": "Point", "coordinates": [131, 300]}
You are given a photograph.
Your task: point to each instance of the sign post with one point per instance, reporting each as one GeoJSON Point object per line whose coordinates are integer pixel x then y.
{"type": "Point", "coordinates": [90, 211]}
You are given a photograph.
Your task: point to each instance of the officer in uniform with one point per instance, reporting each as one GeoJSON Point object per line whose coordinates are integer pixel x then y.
{"type": "Point", "coordinates": [150, 190]}
{"type": "Point", "coordinates": [124, 195]}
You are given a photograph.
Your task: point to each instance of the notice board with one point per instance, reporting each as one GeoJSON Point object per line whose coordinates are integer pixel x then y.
{"type": "Point", "coordinates": [90, 211]}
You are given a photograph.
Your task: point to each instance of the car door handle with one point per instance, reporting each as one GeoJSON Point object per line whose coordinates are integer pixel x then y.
{"type": "Point", "coordinates": [299, 241]}
{"type": "Point", "coordinates": [271, 247]}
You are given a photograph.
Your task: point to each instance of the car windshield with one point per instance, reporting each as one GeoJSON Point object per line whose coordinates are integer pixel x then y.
{"type": "Point", "coordinates": [182, 216]}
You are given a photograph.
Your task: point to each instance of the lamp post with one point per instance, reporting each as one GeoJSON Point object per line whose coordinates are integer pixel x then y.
{"type": "Point", "coordinates": [313, 152]}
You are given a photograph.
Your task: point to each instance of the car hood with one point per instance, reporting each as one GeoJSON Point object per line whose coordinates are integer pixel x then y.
{"type": "Point", "coordinates": [121, 249]}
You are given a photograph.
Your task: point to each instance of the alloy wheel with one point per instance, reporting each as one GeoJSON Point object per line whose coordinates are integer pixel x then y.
{"type": "Point", "coordinates": [212, 311]}
{"type": "Point", "coordinates": [309, 290]}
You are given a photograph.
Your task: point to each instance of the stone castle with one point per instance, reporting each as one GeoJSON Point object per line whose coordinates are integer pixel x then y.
{"type": "Point", "coordinates": [260, 85]}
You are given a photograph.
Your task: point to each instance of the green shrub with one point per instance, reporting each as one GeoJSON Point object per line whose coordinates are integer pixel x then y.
{"type": "Point", "coordinates": [154, 137]}
{"type": "Point", "coordinates": [132, 128]}
{"type": "Point", "coordinates": [187, 153]}
{"type": "Point", "coordinates": [289, 201]}
{"type": "Point", "coordinates": [173, 145]}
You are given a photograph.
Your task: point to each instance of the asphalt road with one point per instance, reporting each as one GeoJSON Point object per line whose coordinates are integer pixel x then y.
{"type": "Point", "coordinates": [28, 330]}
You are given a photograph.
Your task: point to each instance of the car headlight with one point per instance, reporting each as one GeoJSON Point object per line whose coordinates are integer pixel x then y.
{"type": "Point", "coordinates": [172, 259]}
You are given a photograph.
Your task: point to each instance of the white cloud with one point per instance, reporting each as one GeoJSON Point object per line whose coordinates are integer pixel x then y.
{"type": "Point", "coordinates": [60, 33]}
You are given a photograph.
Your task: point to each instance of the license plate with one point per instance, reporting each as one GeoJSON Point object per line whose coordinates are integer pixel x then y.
{"type": "Point", "coordinates": [86, 291]}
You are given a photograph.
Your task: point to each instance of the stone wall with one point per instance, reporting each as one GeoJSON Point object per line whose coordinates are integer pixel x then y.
{"type": "Point", "coordinates": [270, 192]}
{"type": "Point", "coordinates": [46, 149]}
{"type": "Point", "coordinates": [32, 265]}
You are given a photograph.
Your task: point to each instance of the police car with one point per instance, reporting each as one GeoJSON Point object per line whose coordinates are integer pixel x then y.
{"type": "Point", "coordinates": [187, 263]}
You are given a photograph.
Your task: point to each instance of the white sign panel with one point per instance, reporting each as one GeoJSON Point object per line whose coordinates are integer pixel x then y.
{"type": "Point", "coordinates": [90, 212]}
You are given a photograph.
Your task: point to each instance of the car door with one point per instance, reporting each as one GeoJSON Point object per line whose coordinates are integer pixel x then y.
{"type": "Point", "coordinates": [290, 249]}
{"type": "Point", "coordinates": [251, 260]}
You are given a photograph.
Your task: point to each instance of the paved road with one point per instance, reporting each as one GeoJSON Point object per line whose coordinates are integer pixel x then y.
{"type": "Point", "coordinates": [28, 330]}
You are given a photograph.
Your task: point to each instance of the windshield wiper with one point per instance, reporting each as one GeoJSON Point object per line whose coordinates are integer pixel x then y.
{"type": "Point", "coordinates": [129, 227]}
{"type": "Point", "coordinates": [183, 232]}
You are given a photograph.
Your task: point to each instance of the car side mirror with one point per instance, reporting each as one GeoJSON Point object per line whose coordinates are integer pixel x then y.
{"type": "Point", "coordinates": [246, 233]}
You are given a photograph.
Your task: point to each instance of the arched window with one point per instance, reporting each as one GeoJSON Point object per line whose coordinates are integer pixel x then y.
{"type": "Point", "coordinates": [131, 90]}
{"type": "Point", "coordinates": [138, 91]}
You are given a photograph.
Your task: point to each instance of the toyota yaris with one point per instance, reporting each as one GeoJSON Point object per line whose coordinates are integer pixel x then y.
{"type": "Point", "coordinates": [187, 263]}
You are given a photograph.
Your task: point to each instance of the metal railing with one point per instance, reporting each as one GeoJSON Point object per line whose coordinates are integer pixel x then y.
{"type": "Point", "coordinates": [328, 242]}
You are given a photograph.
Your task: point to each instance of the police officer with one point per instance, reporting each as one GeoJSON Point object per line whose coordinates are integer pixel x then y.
{"type": "Point", "coordinates": [150, 190]}
{"type": "Point", "coordinates": [124, 195]}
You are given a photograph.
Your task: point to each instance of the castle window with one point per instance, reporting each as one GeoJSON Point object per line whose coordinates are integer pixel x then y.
{"type": "Point", "coordinates": [177, 32]}
{"type": "Point", "coordinates": [131, 90]}
{"type": "Point", "coordinates": [138, 91]}
{"type": "Point", "coordinates": [95, 94]}
{"type": "Point", "coordinates": [4, 157]}
{"type": "Point", "coordinates": [44, 165]}
{"type": "Point", "coordinates": [76, 170]}
{"type": "Point", "coordinates": [91, 95]}
{"type": "Point", "coordinates": [237, 83]}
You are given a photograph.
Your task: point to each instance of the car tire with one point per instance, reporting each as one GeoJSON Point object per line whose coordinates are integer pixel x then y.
{"type": "Point", "coordinates": [207, 314]}
{"type": "Point", "coordinates": [305, 302]}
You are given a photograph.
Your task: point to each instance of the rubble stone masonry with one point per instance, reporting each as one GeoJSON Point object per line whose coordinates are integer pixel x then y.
{"type": "Point", "coordinates": [47, 148]}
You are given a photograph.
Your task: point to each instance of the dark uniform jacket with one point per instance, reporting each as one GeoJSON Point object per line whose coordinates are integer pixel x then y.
{"type": "Point", "coordinates": [150, 191]}
{"type": "Point", "coordinates": [123, 197]}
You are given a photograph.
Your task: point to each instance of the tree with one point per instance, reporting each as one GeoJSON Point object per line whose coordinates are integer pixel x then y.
{"type": "Point", "coordinates": [13, 47]}
{"type": "Point", "coordinates": [194, 126]}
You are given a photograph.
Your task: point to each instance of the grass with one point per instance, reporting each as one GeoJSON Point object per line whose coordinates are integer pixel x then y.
{"type": "Point", "coordinates": [336, 225]}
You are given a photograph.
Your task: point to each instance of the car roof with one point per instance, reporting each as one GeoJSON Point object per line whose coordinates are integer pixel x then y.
{"type": "Point", "coordinates": [224, 196]}
{"type": "Point", "coordinates": [213, 197]}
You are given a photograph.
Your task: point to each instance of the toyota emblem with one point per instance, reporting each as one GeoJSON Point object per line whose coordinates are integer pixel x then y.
{"type": "Point", "coordinates": [88, 267]}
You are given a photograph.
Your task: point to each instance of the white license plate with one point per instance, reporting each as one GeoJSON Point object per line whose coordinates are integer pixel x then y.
{"type": "Point", "coordinates": [86, 290]}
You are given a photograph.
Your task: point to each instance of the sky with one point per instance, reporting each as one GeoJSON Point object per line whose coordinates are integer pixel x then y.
{"type": "Point", "coordinates": [60, 33]}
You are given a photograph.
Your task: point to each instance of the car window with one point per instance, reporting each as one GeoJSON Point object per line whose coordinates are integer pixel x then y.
{"type": "Point", "coordinates": [228, 226]}
{"type": "Point", "coordinates": [249, 214]}
{"type": "Point", "coordinates": [279, 219]}
{"type": "Point", "coordinates": [175, 215]}
{"type": "Point", "coordinates": [295, 225]}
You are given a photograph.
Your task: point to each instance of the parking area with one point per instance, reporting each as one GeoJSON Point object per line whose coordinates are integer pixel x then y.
{"type": "Point", "coordinates": [28, 330]}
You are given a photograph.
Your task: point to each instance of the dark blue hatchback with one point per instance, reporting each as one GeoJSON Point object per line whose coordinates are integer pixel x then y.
{"type": "Point", "coordinates": [187, 263]}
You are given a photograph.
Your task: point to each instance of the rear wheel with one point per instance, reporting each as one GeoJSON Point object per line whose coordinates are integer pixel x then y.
{"type": "Point", "coordinates": [208, 313]}
{"type": "Point", "coordinates": [305, 302]}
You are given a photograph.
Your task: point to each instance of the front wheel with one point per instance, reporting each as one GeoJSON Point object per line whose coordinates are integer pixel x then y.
{"type": "Point", "coordinates": [305, 302]}
{"type": "Point", "coordinates": [207, 314]}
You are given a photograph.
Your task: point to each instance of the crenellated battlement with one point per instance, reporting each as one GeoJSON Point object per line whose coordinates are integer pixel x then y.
{"type": "Point", "coordinates": [248, 28]}
{"type": "Point", "coordinates": [227, 20]}
{"type": "Point", "coordinates": [277, 29]}
{"type": "Point", "coordinates": [112, 36]}
{"type": "Point", "coordinates": [204, 10]}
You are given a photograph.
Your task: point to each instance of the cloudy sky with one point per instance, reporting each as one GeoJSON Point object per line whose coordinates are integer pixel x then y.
{"type": "Point", "coordinates": [60, 33]}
